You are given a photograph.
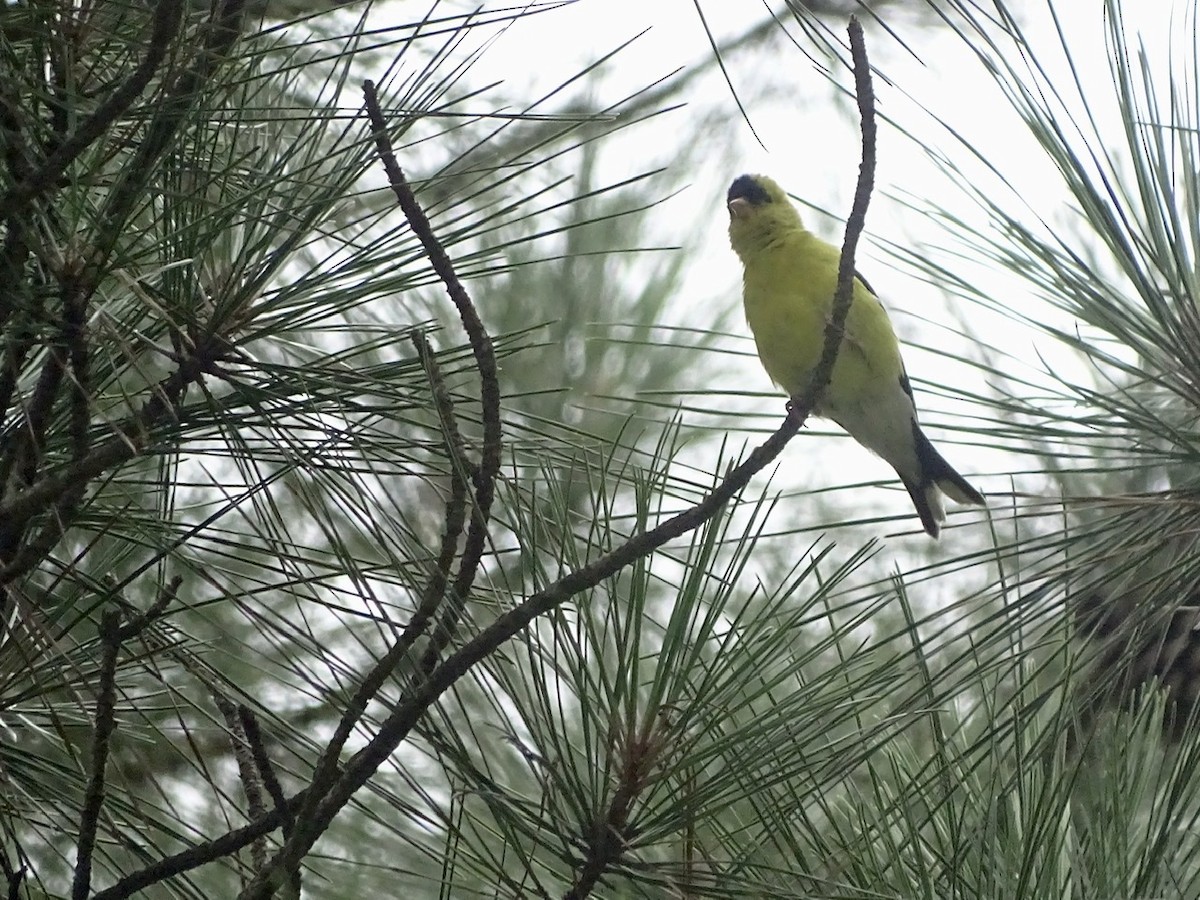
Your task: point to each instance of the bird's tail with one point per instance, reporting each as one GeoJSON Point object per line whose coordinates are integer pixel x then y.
{"type": "Point", "coordinates": [937, 476]}
{"type": "Point", "coordinates": [928, 501]}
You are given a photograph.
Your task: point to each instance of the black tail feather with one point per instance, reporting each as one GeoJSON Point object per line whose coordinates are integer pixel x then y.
{"type": "Point", "coordinates": [936, 476]}
{"type": "Point", "coordinates": [935, 470]}
{"type": "Point", "coordinates": [920, 498]}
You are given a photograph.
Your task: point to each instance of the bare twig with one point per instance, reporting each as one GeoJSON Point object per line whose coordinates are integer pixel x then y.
{"type": "Point", "coordinates": [15, 139]}
{"type": "Point", "coordinates": [326, 778]}
{"type": "Point", "coordinates": [24, 454]}
{"type": "Point", "coordinates": [258, 747]}
{"type": "Point", "coordinates": [136, 623]}
{"type": "Point", "coordinates": [481, 342]}
{"type": "Point", "coordinates": [481, 347]}
{"type": "Point", "coordinates": [194, 857]}
{"type": "Point", "coordinates": [93, 799]}
{"type": "Point", "coordinates": [18, 557]}
{"type": "Point", "coordinates": [248, 772]}
{"type": "Point", "coordinates": [858, 214]}
{"type": "Point", "coordinates": [169, 116]}
{"type": "Point", "coordinates": [112, 634]}
{"type": "Point", "coordinates": [456, 453]}
{"type": "Point", "coordinates": [68, 353]}
{"type": "Point", "coordinates": [132, 436]}
{"type": "Point", "coordinates": [640, 755]}
{"type": "Point", "coordinates": [13, 879]}
{"type": "Point", "coordinates": [75, 335]}
{"type": "Point", "coordinates": [266, 773]}
{"type": "Point", "coordinates": [21, 338]}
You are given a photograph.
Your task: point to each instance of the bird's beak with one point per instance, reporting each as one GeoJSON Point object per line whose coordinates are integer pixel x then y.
{"type": "Point", "coordinates": [739, 208]}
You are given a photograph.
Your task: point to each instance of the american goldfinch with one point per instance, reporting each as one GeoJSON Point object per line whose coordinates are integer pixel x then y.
{"type": "Point", "coordinates": [788, 284]}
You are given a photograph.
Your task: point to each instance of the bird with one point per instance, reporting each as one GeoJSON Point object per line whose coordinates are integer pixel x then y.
{"type": "Point", "coordinates": [788, 283]}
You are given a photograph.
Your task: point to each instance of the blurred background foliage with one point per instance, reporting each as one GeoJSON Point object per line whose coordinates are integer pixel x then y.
{"type": "Point", "coordinates": [802, 697]}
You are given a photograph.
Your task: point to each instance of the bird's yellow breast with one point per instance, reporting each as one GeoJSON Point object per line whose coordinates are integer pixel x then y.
{"type": "Point", "coordinates": [788, 293]}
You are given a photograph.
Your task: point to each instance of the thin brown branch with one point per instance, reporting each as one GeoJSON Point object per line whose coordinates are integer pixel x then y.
{"type": "Point", "coordinates": [13, 879]}
{"type": "Point", "coordinates": [75, 336]}
{"type": "Point", "coordinates": [138, 622]}
{"type": "Point", "coordinates": [611, 832]}
{"type": "Point", "coordinates": [248, 772]}
{"type": "Point", "coordinates": [456, 453]}
{"type": "Point", "coordinates": [24, 456]}
{"type": "Point", "coordinates": [13, 125]}
{"type": "Point", "coordinates": [93, 798]}
{"type": "Point", "coordinates": [266, 772]}
{"type": "Point", "coordinates": [112, 634]}
{"type": "Point", "coordinates": [326, 777]}
{"type": "Point", "coordinates": [131, 438]}
{"type": "Point", "coordinates": [258, 747]}
{"type": "Point", "coordinates": [194, 857]}
{"type": "Point", "coordinates": [169, 116]}
{"type": "Point", "coordinates": [481, 347]}
{"type": "Point", "coordinates": [15, 249]}
{"type": "Point", "coordinates": [19, 557]}
{"type": "Point", "coordinates": [865, 93]}
{"type": "Point", "coordinates": [67, 354]}
{"type": "Point", "coordinates": [20, 341]}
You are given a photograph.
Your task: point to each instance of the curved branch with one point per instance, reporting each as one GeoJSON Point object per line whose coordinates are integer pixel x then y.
{"type": "Point", "coordinates": [485, 364]}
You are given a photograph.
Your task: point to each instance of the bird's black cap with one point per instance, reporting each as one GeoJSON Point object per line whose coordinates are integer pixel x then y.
{"type": "Point", "coordinates": [745, 187]}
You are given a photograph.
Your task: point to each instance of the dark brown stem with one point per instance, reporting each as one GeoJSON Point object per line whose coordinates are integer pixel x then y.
{"type": "Point", "coordinates": [481, 347]}
{"type": "Point", "coordinates": [132, 436]}
{"type": "Point", "coordinates": [66, 357]}
{"type": "Point", "coordinates": [93, 798]}
{"type": "Point", "coordinates": [112, 634]}
{"type": "Point", "coordinates": [20, 340]}
{"type": "Point", "coordinates": [609, 835]}
{"type": "Point", "coordinates": [25, 455]}
{"type": "Point", "coordinates": [75, 335]}
{"type": "Point", "coordinates": [13, 879]}
{"type": "Point", "coordinates": [248, 772]}
{"type": "Point", "coordinates": [456, 453]}
{"type": "Point", "coordinates": [169, 116]}
{"type": "Point", "coordinates": [138, 622]}
{"type": "Point", "coordinates": [270, 781]}
{"type": "Point", "coordinates": [258, 747]}
{"type": "Point", "coordinates": [194, 857]}
{"type": "Point", "coordinates": [858, 213]}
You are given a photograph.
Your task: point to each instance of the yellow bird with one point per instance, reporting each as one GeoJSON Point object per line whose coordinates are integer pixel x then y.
{"type": "Point", "coordinates": [790, 276]}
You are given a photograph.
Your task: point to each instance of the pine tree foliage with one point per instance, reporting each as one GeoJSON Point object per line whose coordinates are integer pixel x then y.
{"type": "Point", "coordinates": [299, 600]}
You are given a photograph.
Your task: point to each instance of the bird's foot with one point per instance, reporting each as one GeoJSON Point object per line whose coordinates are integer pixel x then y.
{"type": "Point", "coordinates": [790, 406]}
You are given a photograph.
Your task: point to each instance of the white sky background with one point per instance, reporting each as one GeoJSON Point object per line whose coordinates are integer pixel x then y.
{"type": "Point", "coordinates": [812, 147]}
